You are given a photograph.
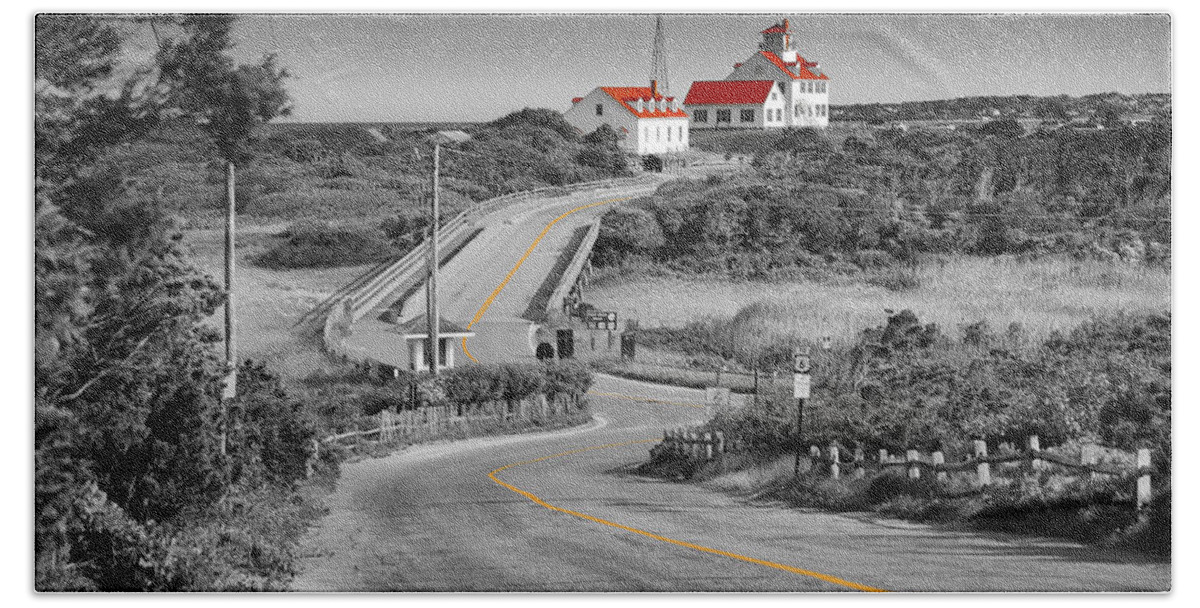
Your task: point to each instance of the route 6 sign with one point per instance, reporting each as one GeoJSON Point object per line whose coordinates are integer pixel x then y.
{"type": "Point", "coordinates": [802, 366]}
{"type": "Point", "coordinates": [802, 360]}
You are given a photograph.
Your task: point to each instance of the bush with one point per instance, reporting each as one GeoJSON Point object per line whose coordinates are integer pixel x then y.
{"type": "Point", "coordinates": [320, 245]}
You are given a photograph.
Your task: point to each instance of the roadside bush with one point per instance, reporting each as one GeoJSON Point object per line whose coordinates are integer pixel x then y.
{"type": "Point", "coordinates": [321, 245]}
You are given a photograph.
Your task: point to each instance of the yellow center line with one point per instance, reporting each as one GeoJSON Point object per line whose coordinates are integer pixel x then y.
{"type": "Point", "coordinates": [645, 399]}
{"type": "Point", "coordinates": [488, 302]}
{"type": "Point", "coordinates": [752, 560]}
{"type": "Point", "coordinates": [536, 500]}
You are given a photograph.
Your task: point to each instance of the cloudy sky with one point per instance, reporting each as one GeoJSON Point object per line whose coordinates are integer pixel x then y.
{"type": "Point", "coordinates": [479, 67]}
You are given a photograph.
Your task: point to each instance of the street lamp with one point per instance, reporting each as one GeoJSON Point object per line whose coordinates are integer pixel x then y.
{"type": "Point", "coordinates": [431, 307]}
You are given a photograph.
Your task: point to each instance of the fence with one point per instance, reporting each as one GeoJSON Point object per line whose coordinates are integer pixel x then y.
{"type": "Point", "coordinates": [706, 445]}
{"type": "Point", "coordinates": [432, 420]}
{"type": "Point", "coordinates": [365, 292]}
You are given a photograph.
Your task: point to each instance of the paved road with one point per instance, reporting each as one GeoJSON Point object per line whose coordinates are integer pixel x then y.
{"type": "Point", "coordinates": [445, 517]}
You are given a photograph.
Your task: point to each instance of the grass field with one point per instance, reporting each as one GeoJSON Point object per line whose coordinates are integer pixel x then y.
{"type": "Point", "coordinates": [1041, 295]}
{"type": "Point", "coordinates": [269, 302]}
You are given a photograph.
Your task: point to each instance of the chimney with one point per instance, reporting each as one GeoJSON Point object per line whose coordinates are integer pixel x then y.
{"type": "Point", "coordinates": [653, 89]}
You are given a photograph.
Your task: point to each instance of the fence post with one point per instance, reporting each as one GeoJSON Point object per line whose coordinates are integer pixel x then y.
{"type": "Point", "coordinates": [835, 469]}
{"type": "Point", "coordinates": [883, 457]}
{"type": "Point", "coordinates": [1143, 481]}
{"type": "Point", "coordinates": [983, 470]}
{"type": "Point", "coordinates": [1087, 457]}
{"type": "Point", "coordinates": [721, 447]}
{"type": "Point", "coordinates": [914, 471]}
{"type": "Point", "coordinates": [939, 459]}
{"type": "Point", "coordinates": [708, 446]}
{"type": "Point", "coordinates": [859, 472]}
{"type": "Point", "coordinates": [1035, 449]}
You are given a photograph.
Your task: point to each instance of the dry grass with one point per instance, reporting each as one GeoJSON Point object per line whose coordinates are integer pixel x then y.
{"type": "Point", "coordinates": [269, 302]}
{"type": "Point", "coordinates": [1041, 295]}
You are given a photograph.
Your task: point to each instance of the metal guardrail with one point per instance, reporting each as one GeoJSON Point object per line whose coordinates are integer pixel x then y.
{"type": "Point", "coordinates": [355, 301]}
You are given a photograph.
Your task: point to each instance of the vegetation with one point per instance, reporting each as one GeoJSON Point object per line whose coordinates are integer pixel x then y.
{"type": "Point", "coordinates": [892, 198]}
{"type": "Point", "coordinates": [141, 483]}
{"type": "Point", "coordinates": [321, 245]}
{"type": "Point", "coordinates": [1101, 107]}
{"type": "Point", "coordinates": [363, 172]}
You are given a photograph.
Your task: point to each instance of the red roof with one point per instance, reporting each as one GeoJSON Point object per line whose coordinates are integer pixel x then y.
{"type": "Point", "coordinates": [628, 97]}
{"type": "Point", "coordinates": [729, 92]}
{"type": "Point", "coordinates": [798, 69]}
{"type": "Point", "coordinates": [779, 28]}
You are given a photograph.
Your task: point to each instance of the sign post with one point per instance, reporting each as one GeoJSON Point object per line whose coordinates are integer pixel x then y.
{"type": "Point", "coordinates": [801, 388]}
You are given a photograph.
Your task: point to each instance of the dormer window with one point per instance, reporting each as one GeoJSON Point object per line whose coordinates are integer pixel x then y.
{"type": "Point", "coordinates": [599, 109]}
{"type": "Point", "coordinates": [641, 107]}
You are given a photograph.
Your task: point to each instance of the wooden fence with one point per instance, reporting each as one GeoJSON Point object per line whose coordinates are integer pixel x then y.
{"type": "Point", "coordinates": [432, 420]}
{"type": "Point", "coordinates": [706, 445]}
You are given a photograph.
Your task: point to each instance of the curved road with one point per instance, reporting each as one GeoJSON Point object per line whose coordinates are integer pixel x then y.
{"type": "Point", "coordinates": [561, 512]}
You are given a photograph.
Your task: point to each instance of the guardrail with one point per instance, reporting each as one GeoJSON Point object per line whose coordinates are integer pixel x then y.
{"type": "Point", "coordinates": [366, 291]}
{"type": "Point", "coordinates": [567, 278]}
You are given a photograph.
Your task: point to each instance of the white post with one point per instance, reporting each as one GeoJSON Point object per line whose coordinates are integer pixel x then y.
{"type": "Point", "coordinates": [835, 469]}
{"type": "Point", "coordinates": [983, 470]}
{"type": "Point", "coordinates": [883, 457]}
{"type": "Point", "coordinates": [721, 447]}
{"type": "Point", "coordinates": [914, 471]}
{"type": "Point", "coordinates": [859, 471]}
{"type": "Point", "coordinates": [708, 446]}
{"type": "Point", "coordinates": [939, 459]}
{"type": "Point", "coordinates": [1035, 448]}
{"type": "Point", "coordinates": [1087, 457]}
{"type": "Point", "coordinates": [1143, 481]}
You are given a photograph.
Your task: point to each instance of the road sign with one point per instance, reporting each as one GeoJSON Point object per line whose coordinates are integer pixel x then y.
{"type": "Point", "coordinates": [802, 360]}
{"type": "Point", "coordinates": [802, 383]}
{"type": "Point", "coordinates": [601, 320]}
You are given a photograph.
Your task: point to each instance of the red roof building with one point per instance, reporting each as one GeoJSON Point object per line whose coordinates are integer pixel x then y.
{"type": "Point", "coordinates": [736, 104]}
{"type": "Point", "coordinates": [646, 120]}
{"type": "Point", "coordinates": [804, 84]}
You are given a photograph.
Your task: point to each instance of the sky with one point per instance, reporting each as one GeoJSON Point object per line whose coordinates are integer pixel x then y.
{"type": "Point", "coordinates": [474, 67]}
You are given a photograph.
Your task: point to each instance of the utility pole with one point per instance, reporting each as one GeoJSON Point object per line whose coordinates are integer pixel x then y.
{"type": "Point", "coordinates": [431, 308]}
{"type": "Point", "coordinates": [229, 391]}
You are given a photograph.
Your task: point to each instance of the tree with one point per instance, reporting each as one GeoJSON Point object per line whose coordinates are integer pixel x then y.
{"type": "Point", "coordinates": [230, 102]}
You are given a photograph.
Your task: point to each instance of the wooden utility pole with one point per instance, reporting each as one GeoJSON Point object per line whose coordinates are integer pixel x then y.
{"type": "Point", "coordinates": [230, 389]}
{"type": "Point", "coordinates": [431, 308]}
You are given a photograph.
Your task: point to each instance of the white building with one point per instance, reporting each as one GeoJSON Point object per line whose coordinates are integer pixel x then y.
{"type": "Point", "coordinates": [646, 121]}
{"type": "Point", "coordinates": [416, 339]}
{"type": "Point", "coordinates": [736, 104]}
{"type": "Point", "coordinates": [804, 86]}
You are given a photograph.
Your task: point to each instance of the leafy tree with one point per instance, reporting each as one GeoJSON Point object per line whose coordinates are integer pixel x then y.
{"type": "Point", "coordinates": [230, 102]}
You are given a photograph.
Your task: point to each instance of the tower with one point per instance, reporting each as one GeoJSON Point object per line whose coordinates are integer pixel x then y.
{"type": "Point", "coordinates": [659, 85]}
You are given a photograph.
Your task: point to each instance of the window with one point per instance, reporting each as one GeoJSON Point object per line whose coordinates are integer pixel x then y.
{"type": "Point", "coordinates": [724, 115]}
{"type": "Point", "coordinates": [599, 109]}
{"type": "Point", "coordinates": [778, 114]}
{"type": "Point", "coordinates": [810, 111]}
{"type": "Point", "coordinates": [820, 87]}
{"type": "Point", "coordinates": [668, 133]}
{"type": "Point", "coordinates": [680, 132]}
{"type": "Point", "coordinates": [797, 110]}
{"type": "Point", "coordinates": [774, 96]}
{"type": "Point", "coordinates": [657, 133]}
{"type": "Point", "coordinates": [700, 116]}
{"type": "Point", "coordinates": [768, 116]}
{"type": "Point", "coordinates": [747, 116]}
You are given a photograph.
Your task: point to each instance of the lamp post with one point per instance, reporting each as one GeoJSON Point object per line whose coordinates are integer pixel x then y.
{"type": "Point", "coordinates": [431, 290]}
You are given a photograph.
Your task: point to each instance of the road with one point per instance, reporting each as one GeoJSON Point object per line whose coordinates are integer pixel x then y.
{"type": "Point", "coordinates": [563, 512]}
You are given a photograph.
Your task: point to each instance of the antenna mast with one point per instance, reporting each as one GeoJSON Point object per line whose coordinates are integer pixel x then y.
{"type": "Point", "coordinates": [658, 62]}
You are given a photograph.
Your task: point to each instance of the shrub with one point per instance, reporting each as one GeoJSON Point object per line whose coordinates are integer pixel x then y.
{"type": "Point", "coordinates": [320, 245]}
